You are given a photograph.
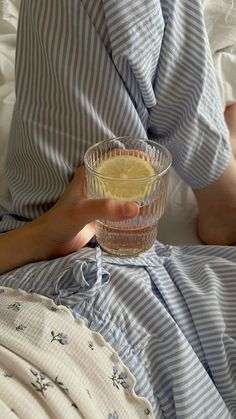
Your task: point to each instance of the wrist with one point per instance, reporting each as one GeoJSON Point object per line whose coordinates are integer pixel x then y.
{"type": "Point", "coordinates": [36, 240]}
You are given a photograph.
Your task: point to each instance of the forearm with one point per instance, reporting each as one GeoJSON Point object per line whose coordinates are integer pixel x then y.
{"type": "Point", "coordinates": [19, 247]}
{"type": "Point", "coordinates": [63, 229]}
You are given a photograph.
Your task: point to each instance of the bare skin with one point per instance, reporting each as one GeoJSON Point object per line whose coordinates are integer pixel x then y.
{"type": "Point", "coordinates": [230, 118]}
{"type": "Point", "coordinates": [217, 202]}
{"type": "Point", "coordinates": [64, 229]}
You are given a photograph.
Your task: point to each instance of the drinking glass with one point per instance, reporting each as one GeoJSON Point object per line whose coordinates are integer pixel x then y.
{"type": "Point", "coordinates": [135, 235]}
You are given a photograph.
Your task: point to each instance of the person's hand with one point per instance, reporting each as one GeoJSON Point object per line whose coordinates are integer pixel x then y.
{"type": "Point", "coordinates": [64, 229]}
{"type": "Point", "coordinates": [68, 225]}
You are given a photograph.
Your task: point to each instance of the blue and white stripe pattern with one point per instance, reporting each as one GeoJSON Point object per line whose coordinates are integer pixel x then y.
{"type": "Point", "coordinates": [93, 69]}
{"type": "Point", "coordinates": [169, 313]}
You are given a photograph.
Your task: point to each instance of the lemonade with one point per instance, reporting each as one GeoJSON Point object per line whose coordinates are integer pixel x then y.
{"type": "Point", "coordinates": [131, 170]}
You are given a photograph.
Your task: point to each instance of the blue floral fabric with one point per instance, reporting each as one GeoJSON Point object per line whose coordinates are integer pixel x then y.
{"type": "Point", "coordinates": [169, 313]}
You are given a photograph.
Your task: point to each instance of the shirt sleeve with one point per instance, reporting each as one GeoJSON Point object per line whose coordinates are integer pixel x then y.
{"type": "Point", "coordinates": [188, 117]}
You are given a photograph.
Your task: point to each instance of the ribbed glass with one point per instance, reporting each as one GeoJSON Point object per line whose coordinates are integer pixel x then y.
{"type": "Point", "coordinates": [134, 235]}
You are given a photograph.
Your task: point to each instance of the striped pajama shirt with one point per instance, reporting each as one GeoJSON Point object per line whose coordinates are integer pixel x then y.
{"type": "Point", "coordinates": [93, 69]}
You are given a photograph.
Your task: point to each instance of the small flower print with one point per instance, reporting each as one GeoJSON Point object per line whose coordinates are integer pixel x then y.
{"type": "Point", "coordinates": [61, 337]}
{"type": "Point", "coordinates": [41, 385]}
{"type": "Point", "coordinates": [91, 346]}
{"type": "Point", "coordinates": [113, 415]}
{"type": "Point", "coordinates": [118, 378]}
{"type": "Point", "coordinates": [20, 327]}
{"type": "Point", "coordinates": [14, 307]}
{"type": "Point", "coordinates": [53, 309]}
{"type": "Point", "coordinates": [61, 385]}
{"type": "Point", "coordinates": [147, 412]}
{"type": "Point", "coordinates": [7, 375]}
{"type": "Point", "coordinates": [34, 372]}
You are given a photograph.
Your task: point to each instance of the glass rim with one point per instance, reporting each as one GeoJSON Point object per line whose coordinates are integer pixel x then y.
{"type": "Point", "coordinates": [151, 142]}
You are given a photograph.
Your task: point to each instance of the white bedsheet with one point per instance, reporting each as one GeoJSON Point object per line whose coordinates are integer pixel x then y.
{"type": "Point", "coordinates": [220, 18]}
{"type": "Point", "coordinates": [178, 224]}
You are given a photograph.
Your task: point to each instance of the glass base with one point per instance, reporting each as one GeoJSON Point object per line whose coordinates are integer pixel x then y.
{"type": "Point", "coordinates": [125, 242]}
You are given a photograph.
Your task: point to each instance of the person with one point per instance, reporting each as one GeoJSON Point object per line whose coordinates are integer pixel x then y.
{"type": "Point", "coordinates": [42, 238]}
{"type": "Point", "coordinates": [95, 69]}
{"type": "Point", "coordinates": [230, 118]}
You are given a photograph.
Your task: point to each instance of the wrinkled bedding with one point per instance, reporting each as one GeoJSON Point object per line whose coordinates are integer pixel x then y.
{"type": "Point", "coordinates": [48, 362]}
{"type": "Point", "coordinates": [169, 313]}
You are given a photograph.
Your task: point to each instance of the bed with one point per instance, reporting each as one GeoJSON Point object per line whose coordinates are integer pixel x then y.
{"type": "Point", "coordinates": [177, 227]}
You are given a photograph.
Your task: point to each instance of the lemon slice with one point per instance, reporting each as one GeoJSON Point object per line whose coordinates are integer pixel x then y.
{"type": "Point", "coordinates": [125, 177]}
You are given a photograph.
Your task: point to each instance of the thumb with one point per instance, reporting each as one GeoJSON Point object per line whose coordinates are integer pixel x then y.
{"type": "Point", "coordinates": [111, 209]}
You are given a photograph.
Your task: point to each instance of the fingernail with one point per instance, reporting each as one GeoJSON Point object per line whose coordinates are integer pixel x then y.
{"type": "Point", "coordinates": [130, 209]}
